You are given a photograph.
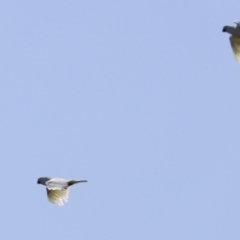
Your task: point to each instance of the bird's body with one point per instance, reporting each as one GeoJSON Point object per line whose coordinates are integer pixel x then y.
{"type": "Point", "coordinates": [57, 189]}
{"type": "Point", "coordinates": [234, 39]}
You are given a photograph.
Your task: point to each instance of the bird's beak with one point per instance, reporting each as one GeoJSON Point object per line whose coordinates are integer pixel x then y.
{"type": "Point", "coordinates": [224, 29]}
{"type": "Point", "coordinates": [38, 182]}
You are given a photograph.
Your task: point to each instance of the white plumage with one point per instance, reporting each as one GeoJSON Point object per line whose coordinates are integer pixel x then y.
{"type": "Point", "coordinates": [57, 189]}
{"type": "Point", "coordinates": [234, 39]}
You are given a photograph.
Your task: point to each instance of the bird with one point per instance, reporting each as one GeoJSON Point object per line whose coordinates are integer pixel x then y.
{"type": "Point", "coordinates": [57, 188]}
{"type": "Point", "coordinates": [234, 39]}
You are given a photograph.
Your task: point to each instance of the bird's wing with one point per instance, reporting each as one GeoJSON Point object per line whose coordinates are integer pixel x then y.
{"type": "Point", "coordinates": [235, 43]}
{"type": "Point", "coordinates": [57, 183]}
{"type": "Point", "coordinates": [237, 23]}
{"type": "Point", "coordinates": [58, 196]}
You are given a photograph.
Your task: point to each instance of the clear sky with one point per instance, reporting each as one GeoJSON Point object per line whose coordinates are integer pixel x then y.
{"type": "Point", "coordinates": [140, 98]}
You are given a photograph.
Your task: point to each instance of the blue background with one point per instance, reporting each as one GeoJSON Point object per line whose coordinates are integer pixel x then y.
{"type": "Point", "coordinates": [140, 98]}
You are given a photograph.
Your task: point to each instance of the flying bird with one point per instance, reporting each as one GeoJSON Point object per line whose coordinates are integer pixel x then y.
{"type": "Point", "coordinates": [234, 39]}
{"type": "Point", "coordinates": [57, 189]}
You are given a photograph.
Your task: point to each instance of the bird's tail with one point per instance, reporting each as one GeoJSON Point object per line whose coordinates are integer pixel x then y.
{"type": "Point", "coordinates": [70, 183]}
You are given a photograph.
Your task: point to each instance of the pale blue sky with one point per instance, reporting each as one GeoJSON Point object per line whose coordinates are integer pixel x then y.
{"type": "Point", "coordinates": [141, 98]}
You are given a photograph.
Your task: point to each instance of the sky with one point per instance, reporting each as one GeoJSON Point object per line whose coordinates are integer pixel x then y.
{"type": "Point", "coordinates": [140, 98]}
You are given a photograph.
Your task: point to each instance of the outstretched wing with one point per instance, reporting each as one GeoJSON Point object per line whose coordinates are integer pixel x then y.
{"type": "Point", "coordinates": [237, 23]}
{"type": "Point", "coordinates": [58, 196]}
{"type": "Point", "coordinates": [235, 43]}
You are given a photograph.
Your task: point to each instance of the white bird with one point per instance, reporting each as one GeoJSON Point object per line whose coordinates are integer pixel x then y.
{"type": "Point", "coordinates": [57, 189]}
{"type": "Point", "coordinates": [234, 39]}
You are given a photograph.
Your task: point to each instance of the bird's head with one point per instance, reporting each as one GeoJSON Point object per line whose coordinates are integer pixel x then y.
{"type": "Point", "coordinates": [43, 180]}
{"type": "Point", "coordinates": [234, 31]}
{"type": "Point", "coordinates": [224, 29]}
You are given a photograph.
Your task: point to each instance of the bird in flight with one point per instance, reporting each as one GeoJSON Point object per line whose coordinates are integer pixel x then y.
{"type": "Point", "coordinates": [57, 189]}
{"type": "Point", "coordinates": [234, 39]}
